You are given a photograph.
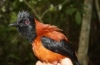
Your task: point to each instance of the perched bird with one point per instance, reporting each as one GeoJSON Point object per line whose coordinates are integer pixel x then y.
{"type": "Point", "coordinates": [48, 43]}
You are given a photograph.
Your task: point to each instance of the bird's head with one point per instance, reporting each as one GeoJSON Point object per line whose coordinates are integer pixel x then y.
{"type": "Point", "coordinates": [26, 25]}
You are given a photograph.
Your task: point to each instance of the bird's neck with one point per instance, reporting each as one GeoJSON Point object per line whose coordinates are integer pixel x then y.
{"type": "Point", "coordinates": [32, 38]}
{"type": "Point", "coordinates": [31, 34]}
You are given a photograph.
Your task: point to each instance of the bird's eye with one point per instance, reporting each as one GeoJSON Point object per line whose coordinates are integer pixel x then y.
{"type": "Point", "coordinates": [27, 22]}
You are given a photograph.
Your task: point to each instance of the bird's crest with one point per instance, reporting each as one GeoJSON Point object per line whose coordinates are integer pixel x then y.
{"type": "Point", "coordinates": [23, 14]}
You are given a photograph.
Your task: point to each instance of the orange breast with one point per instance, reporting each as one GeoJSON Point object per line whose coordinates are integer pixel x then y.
{"type": "Point", "coordinates": [44, 54]}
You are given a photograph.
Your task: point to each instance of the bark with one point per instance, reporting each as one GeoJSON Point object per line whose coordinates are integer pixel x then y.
{"type": "Point", "coordinates": [98, 8]}
{"type": "Point", "coordinates": [2, 2]}
{"type": "Point", "coordinates": [84, 33]}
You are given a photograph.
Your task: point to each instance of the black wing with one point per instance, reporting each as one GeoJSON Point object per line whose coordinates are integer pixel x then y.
{"type": "Point", "coordinates": [62, 47]}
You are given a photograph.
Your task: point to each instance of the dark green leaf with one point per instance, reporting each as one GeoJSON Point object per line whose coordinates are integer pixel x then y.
{"type": "Point", "coordinates": [70, 10]}
{"type": "Point", "coordinates": [78, 17]}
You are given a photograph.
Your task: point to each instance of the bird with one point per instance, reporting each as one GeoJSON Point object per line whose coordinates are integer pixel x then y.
{"type": "Point", "coordinates": [49, 44]}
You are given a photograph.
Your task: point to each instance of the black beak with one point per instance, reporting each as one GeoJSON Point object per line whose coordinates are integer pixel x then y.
{"type": "Point", "coordinates": [15, 24]}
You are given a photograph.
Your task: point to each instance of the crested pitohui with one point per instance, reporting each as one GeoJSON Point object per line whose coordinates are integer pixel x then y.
{"type": "Point", "coordinates": [48, 43]}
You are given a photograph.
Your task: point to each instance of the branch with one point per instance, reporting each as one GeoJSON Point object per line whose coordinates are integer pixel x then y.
{"type": "Point", "coordinates": [47, 10]}
{"type": "Point", "coordinates": [33, 10]}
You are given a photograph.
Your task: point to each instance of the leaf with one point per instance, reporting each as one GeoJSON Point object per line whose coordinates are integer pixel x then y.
{"type": "Point", "coordinates": [3, 9]}
{"type": "Point", "coordinates": [78, 17]}
{"type": "Point", "coordinates": [52, 8]}
{"type": "Point", "coordinates": [13, 17]}
{"type": "Point", "coordinates": [70, 10]}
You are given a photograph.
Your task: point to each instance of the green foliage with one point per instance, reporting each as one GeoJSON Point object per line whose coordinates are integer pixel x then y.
{"type": "Point", "coordinates": [13, 16]}
{"type": "Point", "coordinates": [75, 10]}
{"type": "Point", "coordinates": [71, 10]}
{"type": "Point", "coordinates": [78, 17]}
{"type": "Point", "coordinates": [52, 8]}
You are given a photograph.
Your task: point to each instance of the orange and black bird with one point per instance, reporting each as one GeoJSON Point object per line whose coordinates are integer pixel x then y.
{"type": "Point", "coordinates": [46, 40]}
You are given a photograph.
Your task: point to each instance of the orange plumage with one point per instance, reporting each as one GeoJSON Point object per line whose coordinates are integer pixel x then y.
{"type": "Point", "coordinates": [39, 50]}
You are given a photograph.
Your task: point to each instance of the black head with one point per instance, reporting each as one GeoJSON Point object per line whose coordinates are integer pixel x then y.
{"type": "Point", "coordinates": [25, 25]}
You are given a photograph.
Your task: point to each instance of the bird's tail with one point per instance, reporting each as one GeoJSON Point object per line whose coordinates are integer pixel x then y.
{"type": "Point", "coordinates": [78, 63]}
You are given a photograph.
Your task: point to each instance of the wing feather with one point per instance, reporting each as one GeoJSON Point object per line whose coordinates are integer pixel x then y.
{"type": "Point", "coordinates": [62, 47]}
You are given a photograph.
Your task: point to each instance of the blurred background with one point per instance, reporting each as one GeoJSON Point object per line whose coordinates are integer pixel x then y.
{"type": "Point", "coordinates": [79, 20]}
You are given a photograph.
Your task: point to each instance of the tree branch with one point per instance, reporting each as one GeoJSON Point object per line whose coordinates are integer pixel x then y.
{"type": "Point", "coordinates": [47, 10]}
{"type": "Point", "coordinates": [33, 10]}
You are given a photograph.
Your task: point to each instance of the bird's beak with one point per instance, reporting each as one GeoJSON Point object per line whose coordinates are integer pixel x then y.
{"type": "Point", "coordinates": [15, 24]}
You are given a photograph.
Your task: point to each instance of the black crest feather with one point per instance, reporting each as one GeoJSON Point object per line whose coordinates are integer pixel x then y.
{"type": "Point", "coordinates": [23, 14]}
